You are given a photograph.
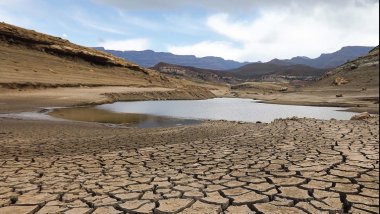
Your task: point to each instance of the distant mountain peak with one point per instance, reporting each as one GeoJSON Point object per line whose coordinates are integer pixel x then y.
{"type": "Point", "coordinates": [300, 57]}
{"type": "Point", "coordinates": [329, 60]}
{"type": "Point", "coordinates": [149, 58]}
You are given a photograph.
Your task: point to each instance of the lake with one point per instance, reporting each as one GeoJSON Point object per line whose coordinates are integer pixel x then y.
{"type": "Point", "coordinates": [232, 109]}
{"type": "Point", "coordinates": [168, 113]}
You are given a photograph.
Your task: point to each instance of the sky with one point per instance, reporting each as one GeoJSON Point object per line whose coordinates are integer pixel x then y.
{"type": "Point", "coordinates": [241, 30]}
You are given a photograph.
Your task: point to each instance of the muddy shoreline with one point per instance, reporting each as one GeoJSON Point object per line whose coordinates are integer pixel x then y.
{"type": "Point", "coordinates": [12, 100]}
{"type": "Point", "coordinates": [293, 165]}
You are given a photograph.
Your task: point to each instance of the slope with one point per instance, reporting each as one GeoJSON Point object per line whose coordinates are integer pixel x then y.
{"type": "Point", "coordinates": [361, 73]}
{"type": "Point", "coordinates": [259, 70]}
{"type": "Point", "coordinates": [32, 59]}
{"type": "Point", "coordinates": [195, 74]}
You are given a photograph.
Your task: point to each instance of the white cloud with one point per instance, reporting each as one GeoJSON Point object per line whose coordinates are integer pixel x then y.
{"type": "Point", "coordinates": [126, 45]}
{"type": "Point", "coordinates": [236, 6]}
{"type": "Point", "coordinates": [138, 21]}
{"type": "Point", "coordinates": [288, 32]}
{"type": "Point", "coordinates": [208, 48]}
{"type": "Point", "coordinates": [86, 21]}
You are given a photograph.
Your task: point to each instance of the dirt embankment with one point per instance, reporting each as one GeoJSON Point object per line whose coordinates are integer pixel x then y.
{"type": "Point", "coordinates": [189, 94]}
{"type": "Point", "coordinates": [12, 100]}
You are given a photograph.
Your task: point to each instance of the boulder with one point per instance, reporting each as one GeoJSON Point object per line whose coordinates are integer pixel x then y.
{"type": "Point", "coordinates": [340, 81]}
{"type": "Point", "coordinates": [353, 66]}
{"type": "Point", "coordinates": [361, 116]}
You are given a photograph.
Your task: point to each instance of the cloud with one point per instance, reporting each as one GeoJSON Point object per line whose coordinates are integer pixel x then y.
{"type": "Point", "coordinates": [225, 6]}
{"type": "Point", "coordinates": [284, 33]}
{"type": "Point", "coordinates": [208, 48]}
{"type": "Point", "coordinates": [85, 20]}
{"type": "Point", "coordinates": [138, 21]}
{"type": "Point", "coordinates": [126, 45]}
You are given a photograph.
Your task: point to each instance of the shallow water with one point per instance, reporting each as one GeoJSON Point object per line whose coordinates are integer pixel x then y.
{"type": "Point", "coordinates": [148, 114]}
{"type": "Point", "coordinates": [91, 114]}
{"type": "Point", "coordinates": [232, 109]}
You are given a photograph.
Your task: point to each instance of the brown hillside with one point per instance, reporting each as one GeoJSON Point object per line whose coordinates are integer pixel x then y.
{"type": "Point", "coordinates": [32, 59]}
{"type": "Point", "coordinates": [361, 73]}
{"type": "Point", "coordinates": [195, 74]}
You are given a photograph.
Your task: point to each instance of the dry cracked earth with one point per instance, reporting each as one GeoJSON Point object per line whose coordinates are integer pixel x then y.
{"type": "Point", "coordinates": [288, 166]}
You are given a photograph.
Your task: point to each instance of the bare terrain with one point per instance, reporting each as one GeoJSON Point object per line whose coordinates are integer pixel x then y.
{"type": "Point", "coordinates": [288, 166]}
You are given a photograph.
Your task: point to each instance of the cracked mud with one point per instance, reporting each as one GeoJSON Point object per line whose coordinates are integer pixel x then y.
{"type": "Point", "coordinates": [288, 166]}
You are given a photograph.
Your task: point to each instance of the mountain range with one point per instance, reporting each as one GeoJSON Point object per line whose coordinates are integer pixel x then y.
{"type": "Point", "coordinates": [249, 72]}
{"type": "Point", "coordinates": [149, 58]}
{"type": "Point", "coordinates": [329, 60]}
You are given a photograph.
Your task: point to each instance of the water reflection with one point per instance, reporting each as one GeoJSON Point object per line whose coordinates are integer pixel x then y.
{"type": "Point", "coordinates": [90, 114]}
{"type": "Point", "coordinates": [172, 113]}
{"type": "Point", "coordinates": [232, 109]}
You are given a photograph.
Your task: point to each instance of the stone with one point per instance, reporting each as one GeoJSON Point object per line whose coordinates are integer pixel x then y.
{"type": "Point", "coordinates": [340, 81]}
{"type": "Point", "coordinates": [361, 116]}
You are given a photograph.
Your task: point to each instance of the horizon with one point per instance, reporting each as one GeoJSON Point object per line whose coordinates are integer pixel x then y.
{"type": "Point", "coordinates": [241, 61]}
{"type": "Point", "coordinates": [244, 31]}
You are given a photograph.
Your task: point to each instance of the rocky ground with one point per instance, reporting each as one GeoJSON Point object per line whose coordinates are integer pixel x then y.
{"type": "Point", "coordinates": [288, 166]}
